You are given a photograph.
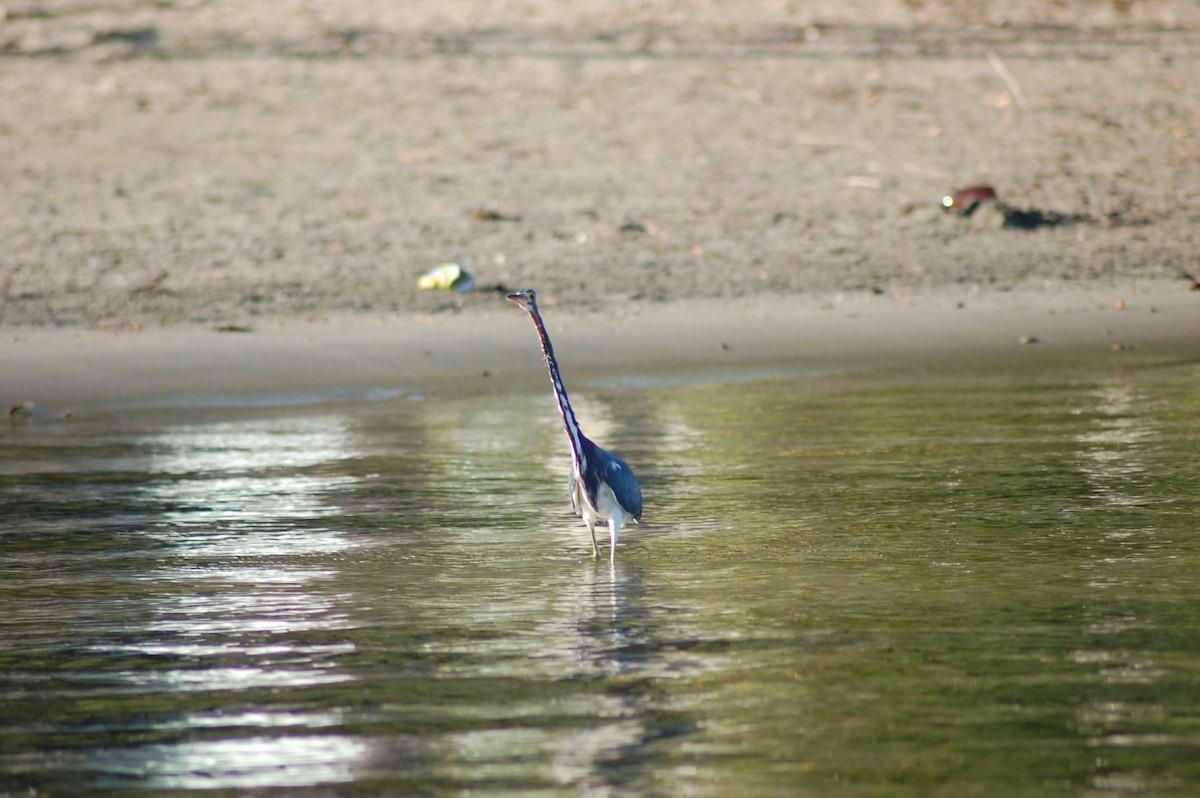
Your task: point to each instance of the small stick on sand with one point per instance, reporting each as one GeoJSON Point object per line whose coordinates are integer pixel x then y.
{"type": "Point", "coordinates": [1013, 86]}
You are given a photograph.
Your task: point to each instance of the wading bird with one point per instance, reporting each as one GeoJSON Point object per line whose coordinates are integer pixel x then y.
{"type": "Point", "coordinates": [602, 487]}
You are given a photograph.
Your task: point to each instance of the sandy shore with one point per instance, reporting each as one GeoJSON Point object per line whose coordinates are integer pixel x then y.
{"type": "Point", "coordinates": [350, 357]}
{"type": "Point", "coordinates": [689, 185]}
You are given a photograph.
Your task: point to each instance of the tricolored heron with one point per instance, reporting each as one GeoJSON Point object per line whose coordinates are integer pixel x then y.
{"type": "Point", "coordinates": [602, 487]}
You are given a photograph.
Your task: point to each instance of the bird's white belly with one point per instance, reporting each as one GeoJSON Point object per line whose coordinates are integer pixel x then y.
{"type": "Point", "coordinates": [606, 503]}
{"type": "Point", "coordinates": [606, 509]}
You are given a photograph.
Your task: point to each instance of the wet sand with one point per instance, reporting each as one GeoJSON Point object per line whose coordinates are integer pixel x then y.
{"type": "Point", "coordinates": [641, 344]}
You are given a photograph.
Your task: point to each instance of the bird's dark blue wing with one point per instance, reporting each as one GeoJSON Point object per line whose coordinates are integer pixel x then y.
{"type": "Point", "coordinates": [624, 484]}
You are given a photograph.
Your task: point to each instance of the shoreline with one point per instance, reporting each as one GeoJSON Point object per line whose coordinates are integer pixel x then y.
{"type": "Point", "coordinates": [495, 350]}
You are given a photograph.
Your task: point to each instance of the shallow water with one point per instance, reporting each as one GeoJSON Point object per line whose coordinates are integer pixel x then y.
{"type": "Point", "coordinates": [905, 584]}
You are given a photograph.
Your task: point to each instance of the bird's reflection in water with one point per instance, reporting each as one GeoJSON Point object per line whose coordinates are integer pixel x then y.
{"type": "Point", "coordinates": [594, 624]}
{"type": "Point", "coordinates": [604, 633]}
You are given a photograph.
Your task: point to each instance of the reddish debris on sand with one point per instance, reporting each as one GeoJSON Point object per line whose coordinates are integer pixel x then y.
{"type": "Point", "coordinates": [966, 200]}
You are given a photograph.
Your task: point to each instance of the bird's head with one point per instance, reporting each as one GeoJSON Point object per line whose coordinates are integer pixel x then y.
{"type": "Point", "coordinates": [526, 298]}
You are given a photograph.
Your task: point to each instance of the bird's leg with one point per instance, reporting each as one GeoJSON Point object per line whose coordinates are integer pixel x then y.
{"type": "Point", "coordinates": [614, 529]}
{"type": "Point", "coordinates": [595, 550]}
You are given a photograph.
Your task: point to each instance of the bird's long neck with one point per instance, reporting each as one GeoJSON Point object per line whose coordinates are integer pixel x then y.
{"type": "Point", "coordinates": [560, 393]}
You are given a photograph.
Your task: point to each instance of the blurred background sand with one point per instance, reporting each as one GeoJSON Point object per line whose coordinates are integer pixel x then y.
{"type": "Point", "coordinates": [248, 162]}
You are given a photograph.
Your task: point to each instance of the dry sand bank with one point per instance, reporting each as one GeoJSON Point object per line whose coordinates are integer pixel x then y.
{"type": "Point", "coordinates": [238, 160]}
